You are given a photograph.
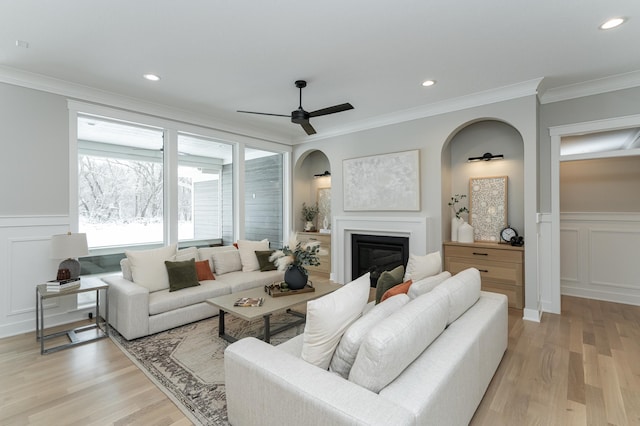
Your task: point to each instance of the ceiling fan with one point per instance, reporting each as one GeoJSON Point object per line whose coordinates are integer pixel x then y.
{"type": "Point", "coordinates": [301, 117]}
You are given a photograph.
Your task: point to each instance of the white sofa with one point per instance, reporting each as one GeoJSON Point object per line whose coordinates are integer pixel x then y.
{"type": "Point", "coordinates": [136, 310]}
{"type": "Point", "coordinates": [442, 385]}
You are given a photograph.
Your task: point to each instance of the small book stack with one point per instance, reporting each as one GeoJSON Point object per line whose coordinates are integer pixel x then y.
{"type": "Point", "coordinates": [61, 285]}
{"type": "Point", "coordinates": [249, 301]}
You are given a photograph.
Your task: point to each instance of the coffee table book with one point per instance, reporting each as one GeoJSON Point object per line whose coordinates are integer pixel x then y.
{"type": "Point", "coordinates": [249, 301]}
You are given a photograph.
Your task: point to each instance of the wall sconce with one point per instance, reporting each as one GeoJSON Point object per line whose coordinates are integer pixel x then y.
{"type": "Point", "coordinates": [487, 156]}
{"type": "Point", "coordinates": [325, 174]}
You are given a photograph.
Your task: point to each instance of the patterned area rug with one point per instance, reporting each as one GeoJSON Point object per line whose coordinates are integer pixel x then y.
{"type": "Point", "coordinates": [187, 362]}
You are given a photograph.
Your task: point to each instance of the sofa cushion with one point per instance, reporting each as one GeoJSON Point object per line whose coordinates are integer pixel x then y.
{"type": "Point", "coordinates": [187, 253]}
{"type": "Point", "coordinates": [248, 256]}
{"type": "Point", "coordinates": [203, 269]}
{"type": "Point", "coordinates": [425, 285]}
{"type": "Point", "coordinates": [164, 301]}
{"type": "Point", "coordinates": [352, 338]}
{"type": "Point", "coordinates": [387, 280]}
{"type": "Point", "coordinates": [226, 261]}
{"type": "Point", "coordinates": [397, 341]}
{"type": "Point", "coordinates": [182, 274]}
{"type": "Point", "coordinates": [204, 253]}
{"type": "Point", "coordinates": [263, 259]}
{"type": "Point", "coordinates": [419, 267]}
{"type": "Point", "coordinates": [329, 316]}
{"type": "Point", "coordinates": [239, 281]}
{"type": "Point", "coordinates": [125, 266]}
{"type": "Point", "coordinates": [147, 267]}
{"type": "Point", "coordinates": [462, 291]}
{"type": "Point", "coordinates": [395, 290]}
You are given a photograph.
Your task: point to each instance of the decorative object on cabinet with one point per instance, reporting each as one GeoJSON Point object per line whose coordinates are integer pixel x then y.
{"type": "Point", "coordinates": [324, 205]}
{"type": "Point", "coordinates": [324, 252]}
{"type": "Point", "coordinates": [488, 205]}
{"type": "Point", "coordinates": [309, 213]}
{"type": "Point", "coordinates": [465, 233]}
{"type": "Point", "coordinates": [456, 221]}
{"type": "Point", "coordinates": [501, 266]}
{"type": "Point", "coordinates": [508, 233]}
{"type": "Point", "coordinates": [387, 182]}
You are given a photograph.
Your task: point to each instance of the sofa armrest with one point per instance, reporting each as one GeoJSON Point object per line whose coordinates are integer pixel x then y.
{"type": "Point", "coordinates": [268, 386]}
{"type": "Point", "coordinates": [128, 307]}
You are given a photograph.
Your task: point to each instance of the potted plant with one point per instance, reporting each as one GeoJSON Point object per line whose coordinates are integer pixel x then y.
{"type": "Point", "coordinates": [309, 213]}
{"type": "Point", "coordinates": [457, 211]}
{"type": "Point", "coordinates": [293, 258]}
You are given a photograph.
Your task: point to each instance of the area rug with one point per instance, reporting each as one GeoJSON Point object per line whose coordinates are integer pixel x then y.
{"type": "Point", "coordinates": [187, 362]}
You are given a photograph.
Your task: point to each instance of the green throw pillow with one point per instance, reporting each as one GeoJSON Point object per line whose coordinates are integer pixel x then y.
{"type": "Point", "coordinates": [387, 280]}
{"type": "Point", "coordinates": [182, 274]}
{"type": "Point", "coordinates": [263, 260]}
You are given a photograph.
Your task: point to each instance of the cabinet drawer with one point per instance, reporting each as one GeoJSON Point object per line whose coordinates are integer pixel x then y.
{"type": "Point", "coordinates": [481, 253]}
{"type": "Point", "coordinates": [513, 293]}
{"type": "Point", "coordinates": [501, 272]}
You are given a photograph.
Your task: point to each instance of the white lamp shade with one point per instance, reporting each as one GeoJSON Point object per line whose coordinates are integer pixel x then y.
{"type": "Point", "coordinates": [69, 246]}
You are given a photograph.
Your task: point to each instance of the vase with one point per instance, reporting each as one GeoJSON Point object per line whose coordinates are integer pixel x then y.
{"type": "Point", "coordinates": [296, 277]}
{"type": "Point", "coordinates": [308, 226]}
{"type": "Point", "coordinates": [465, 233]}
{"type": "Point", "coordinates": [455, 224]}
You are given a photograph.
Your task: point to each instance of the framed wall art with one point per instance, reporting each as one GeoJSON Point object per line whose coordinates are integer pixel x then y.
{"type": "Point", "coordinates": [324, 207]}
{"type": "Point", "coordinates": [488, 207]}
{"type": "Point", "coordinates": [387, 182]}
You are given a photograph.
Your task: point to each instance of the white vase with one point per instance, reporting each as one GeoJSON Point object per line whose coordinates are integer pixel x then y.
{"type": "Point", "coordinates": [308, 226]}
{"type": "Point", "coordinates": [455, 224]}
{"type": "Point", "coordinates": [465, 233]}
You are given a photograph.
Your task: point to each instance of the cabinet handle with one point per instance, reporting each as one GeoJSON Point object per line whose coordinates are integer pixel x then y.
{"type": "Point", "coordinates": [483, 270]}
{"type": "Point", "coordinates": [480, 254]}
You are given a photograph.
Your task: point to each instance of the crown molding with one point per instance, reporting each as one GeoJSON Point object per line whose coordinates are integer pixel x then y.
{"type": "Point", "coordinates": [591, 87]}
{"type": "Point", "coordinates": [90, 94]}
{"type": "Point", "coordinates": [514, 91]}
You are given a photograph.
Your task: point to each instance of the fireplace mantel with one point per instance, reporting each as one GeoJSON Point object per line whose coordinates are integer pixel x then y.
{"type": "Point", "coordinates": [413, 227]}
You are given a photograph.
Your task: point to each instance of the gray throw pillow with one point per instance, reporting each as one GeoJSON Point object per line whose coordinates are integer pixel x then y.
{"type": "Point", "coordinates": [387, 280]}
{"type": "Point", "coordinates": [182, 274]}
{"type": "Point", "coordinates": [263, 259]}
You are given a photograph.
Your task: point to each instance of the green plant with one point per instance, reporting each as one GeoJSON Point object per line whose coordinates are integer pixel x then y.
{"type": "Point", "coordinates": [309, 212]}
{"type": "Point", "coordinates": [455, 200]}
{"type": "Point", "coordinates": [301, 255]}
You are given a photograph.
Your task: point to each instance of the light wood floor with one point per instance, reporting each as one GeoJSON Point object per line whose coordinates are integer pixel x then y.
{"type": "Point", "coordinates": [580, 368]}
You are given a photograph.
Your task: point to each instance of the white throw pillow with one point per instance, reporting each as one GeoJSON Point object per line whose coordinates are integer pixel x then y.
{"type": "Point", "coordinates": [205, 253]}
{"type": "Point", "coordinates": [148, 269]}
{"type": "Point", "coordinates": [125, 265]}
{"type": "Point", "coordinates": [226, 261]}
{"type": "Point", "coordinates": [425, 285]}
{"type": "Point", "coordinates": [187, 254]}
{"type": "Point", "coordinates": [420, 267]}
{"type": "Point", "coordinates": [395, 343]}
{"type": "Point", "coordinates": [329, 316]}
{"type": "Point", "coordinates": [248, 256]}
{"type": "Point", "coordinates": [352, 338]}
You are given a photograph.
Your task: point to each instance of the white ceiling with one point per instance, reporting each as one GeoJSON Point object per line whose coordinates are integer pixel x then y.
{"type": "Point", "coordinates": [215, 57]}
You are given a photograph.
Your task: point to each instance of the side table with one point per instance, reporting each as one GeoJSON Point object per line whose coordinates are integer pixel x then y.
{"type": "Point", "coordinates": [100, 331]}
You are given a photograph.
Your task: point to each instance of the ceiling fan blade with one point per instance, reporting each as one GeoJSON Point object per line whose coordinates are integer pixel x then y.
{"type": "Point", "coordinates": [331, 110]}
{"type": "Point", "coordinates": [265, 113]}
{"type": "Point", "coordinates": [308, 128]}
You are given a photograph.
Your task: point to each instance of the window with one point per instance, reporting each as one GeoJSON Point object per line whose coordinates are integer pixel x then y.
{"type": "Point", "coordinates": [120, 182]}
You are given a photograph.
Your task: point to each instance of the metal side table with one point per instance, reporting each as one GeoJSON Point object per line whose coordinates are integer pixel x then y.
{"type": "Point", "coordinates": [101, 327]}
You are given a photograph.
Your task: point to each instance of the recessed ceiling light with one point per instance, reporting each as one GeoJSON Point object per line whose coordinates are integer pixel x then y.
{"type": "Point", "coordinates": [151, 77]}
{"type": "Point", "coordinates": [612, 23]}
{"type": "Point", "coordinates": [428, 83]}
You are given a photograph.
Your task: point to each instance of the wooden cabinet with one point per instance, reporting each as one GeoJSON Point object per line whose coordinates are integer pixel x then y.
{"type": "Point", "coordinates": [501, 267]}
{"type": "Point", "coordinates": [324, 254]}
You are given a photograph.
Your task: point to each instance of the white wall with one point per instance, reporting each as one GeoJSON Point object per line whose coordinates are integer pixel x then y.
{"type": "Point", "coordinates": [430, 135]}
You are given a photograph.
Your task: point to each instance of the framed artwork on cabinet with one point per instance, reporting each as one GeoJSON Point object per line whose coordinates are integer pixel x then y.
{"type": "Point", "coordinates": [488, 207]}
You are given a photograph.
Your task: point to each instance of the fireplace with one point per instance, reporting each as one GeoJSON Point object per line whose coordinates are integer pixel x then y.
{"type": "Point", "coordinates": [377, 253]}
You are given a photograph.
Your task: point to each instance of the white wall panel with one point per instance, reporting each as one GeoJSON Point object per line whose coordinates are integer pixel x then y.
{"type": "Point", "coordinates": [599, 256]}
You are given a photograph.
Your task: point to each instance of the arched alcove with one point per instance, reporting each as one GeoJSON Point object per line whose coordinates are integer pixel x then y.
{"type": "Point", "coordinates": [311, 185]}
{"type": "Point", "coordinates": [474, 139]}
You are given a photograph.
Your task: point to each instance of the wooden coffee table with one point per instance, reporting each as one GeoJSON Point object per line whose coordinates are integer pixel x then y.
{"type": "Point", "coordinates": [270, 306]}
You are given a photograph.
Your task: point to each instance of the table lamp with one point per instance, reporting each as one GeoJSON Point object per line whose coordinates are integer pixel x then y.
{"type": "Point", "coordinates": [69, 247]}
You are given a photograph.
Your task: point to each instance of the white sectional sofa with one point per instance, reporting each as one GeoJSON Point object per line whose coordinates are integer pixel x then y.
{"type": "Point", "coordinates": [458, 333]}
{"type": "Point", "coordinates": [137, 310]}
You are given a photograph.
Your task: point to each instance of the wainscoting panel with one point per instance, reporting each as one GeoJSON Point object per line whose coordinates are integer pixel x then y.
{"type": "Point", "coordinates": [599, 256]}
{"type": "Point", "coordinates": [25, 261]}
